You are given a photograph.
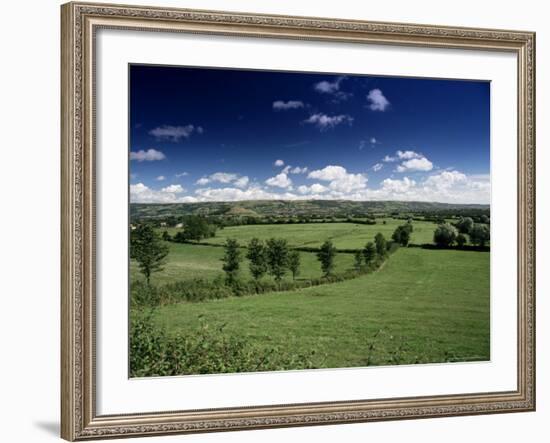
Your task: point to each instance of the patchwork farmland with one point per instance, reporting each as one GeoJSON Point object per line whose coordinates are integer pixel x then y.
{"type": "Point", "coordinates": [417, 303]}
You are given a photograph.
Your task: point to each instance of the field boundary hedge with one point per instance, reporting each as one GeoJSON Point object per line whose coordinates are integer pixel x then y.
{"type": "Point", "coordinates": [293, 248]}
{"type": "Point", "coordinates": [454, 247]}
{"type": "Point", "coordinates": [198, 289]}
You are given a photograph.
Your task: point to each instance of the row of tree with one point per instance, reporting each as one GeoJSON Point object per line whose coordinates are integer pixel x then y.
{"type": "Point", "coordinates": [402, 234]}
{"type": "Point", "coordinates": [447, 235]}
{"type": "Point", "coordinates": [368, 254]}
{"type": "Point", "coordinates": [195, 228]}
{"type": "Point", "coordinates": [274, 257]}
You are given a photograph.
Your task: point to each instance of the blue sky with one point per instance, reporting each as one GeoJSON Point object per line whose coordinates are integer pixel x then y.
{"type": "Point", "coordinates": [199, 134]}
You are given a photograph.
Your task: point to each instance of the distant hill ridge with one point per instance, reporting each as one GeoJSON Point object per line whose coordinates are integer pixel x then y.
{"type": "Point", "coordinates": [259, 208]}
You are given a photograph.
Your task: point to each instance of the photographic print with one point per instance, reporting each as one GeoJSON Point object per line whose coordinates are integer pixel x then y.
{"type": "Point", "coordinates": [298, 220]}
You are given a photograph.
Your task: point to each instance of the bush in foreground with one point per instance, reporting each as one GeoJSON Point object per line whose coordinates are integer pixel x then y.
{"type": "Point", "coordinates": [208, 350]}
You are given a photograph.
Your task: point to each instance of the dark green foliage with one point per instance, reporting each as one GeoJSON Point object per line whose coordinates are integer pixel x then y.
{"type": "Point", "coordinates": [208, 350]}
{"type": "Point", "coordinates": [358, 257]}
{"type": "Point", "coordinates": [195, 228]}
{"type": "Point", "coordinates": [191, 290]}
{"type": "Point", "coordinates": [198, 290]}
{"type": "Point", "coordinates": [166, 236]}
{"type": "Point", "coordinates": [461, 240]}
{"type": "Point", "coordinates": [402, 234]}
{"type": "Point", "coordinates": [369, 253]}
{"type": "Point", "coordinates": [231, 260]}
{"type": "Point", "coordinates": [201, 289]}
{"type": "Point", "coordinates": [294, 263]}
{"type": "Point", "coordinates": [381, 244]}
{"type": "Point", "coordinates": [148, 250]}
{"type": "Point", "coordinates": [445, 235]}
{"type": "Point", "coordinates": [326, 255]}
{"type": "Point", "coordinates": [485, 219]}
{"type": "Point", "coordinates": [465, 225]}
{"type": "Point", "coordinates": [277, 257]}
{"type": "Point", "coordinates": [480, 234]}
{"type": "Point", "coordinates": [257, 255]}
{"type": "Point", "coordinates": [179, 237]}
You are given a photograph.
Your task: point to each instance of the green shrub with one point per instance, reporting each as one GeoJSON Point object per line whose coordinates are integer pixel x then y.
{"type": "Point", "coordinates": [208, 350]}
{"type": "Point", "coordinates": [198, 289]}
{"type": "Point", "coordinates": [143, 294]}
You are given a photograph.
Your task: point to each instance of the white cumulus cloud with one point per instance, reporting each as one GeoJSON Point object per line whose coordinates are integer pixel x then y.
{"type": "Point", "coordinates": [410, 161]}
{"type": "Point", "coordinates": [298, 170]}
{"type": "Point", "coordinates": [174, 133]}
{"type": "Point", "coordinates": [327, 87]}
{"type": "Point", "coordinates": [332, 88]}
{"type": "Point", "coordinates": [280, 105]}
{"type": "Point", "coordinates": [324, 121]}
{"type": "Point", "coordinates": [446, 187]}
{"type": "Point", "coordinates": [446, 179]}
{"type": "Point", "coordinates": [147, 156]}
{"type": "Point", "coordinates": [223, 177]}
{"type": "Point", "coordinates": [316, 188]}
{"type": "Point", "coordinates": [241, 182]}
{"type": "Point", "coordinates": [175, 189]}
{"type": "Point", "coordinates": [279, 163]}
{"type": "Point", "coordinates": [140, 193]}
{"type": "Point", "coordinates": [289, 169]}
{"type": "Point", "coordinates": [280, 180]}
{"type": "Point", "coordinates": [415, 164]}
{"type": "Point", "coordinates": [341, 181]}
{"type": "Point", "coordinates": [397, 186]}
{"type": "Point", "coordinates": [377, 100]}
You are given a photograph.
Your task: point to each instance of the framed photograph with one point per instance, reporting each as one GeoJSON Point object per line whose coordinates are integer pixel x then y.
{"type": "Point", "coordinates": [283, 221]}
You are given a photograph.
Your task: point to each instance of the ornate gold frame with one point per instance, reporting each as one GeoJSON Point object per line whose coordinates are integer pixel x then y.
{"type": "Point", "coordinates": [79, 23]}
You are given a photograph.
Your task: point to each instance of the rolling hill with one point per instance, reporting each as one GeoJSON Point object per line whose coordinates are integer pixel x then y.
{"type": "Point", "coordinates": [286, 208]}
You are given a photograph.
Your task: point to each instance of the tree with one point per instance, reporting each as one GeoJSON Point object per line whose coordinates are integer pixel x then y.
{"type": "Point", "coordinates": [358, 264]}
{"type": "Point", "coordinates": [231, 260]}
{"type": "Point", "coordinates": [257, 256]}
{"type": "Point", "coordinates": [485, 219]}
{"type": "Point", "coordinates": [326, 255]}
{"type": "Point", "coordinates": [277, 257]}
{"type": "Point", "coordinates": [196, 228]}
{"type": "Point", "coordinates": [465, 225]}
{"type": "Point", "coordinates": [166, 236]}
{"type": "Point", "coordinates": [148, 250]}
{"type": "Point", "coordinates": [461, 240]}
{"type": "Point", "coordinates": [445, 235]}
{"type": "Point", "coordinates": [294, 263]}
{"type": "Point", "coordinates": [369, 253]}
{"type": "Point", "coordinates": [402, 234]}
{"type": "Point", "coordinates": [480, 234]}
{"type": "Point", "coordinates": [381, 244]}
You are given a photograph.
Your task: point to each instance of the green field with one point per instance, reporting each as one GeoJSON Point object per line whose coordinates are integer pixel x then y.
{"type": "Point", "coordinates": [187, 261]}
{"type": "Point", "coordinates": [422, 306]}
{"type": "Point", "coordinates": [343, 235]}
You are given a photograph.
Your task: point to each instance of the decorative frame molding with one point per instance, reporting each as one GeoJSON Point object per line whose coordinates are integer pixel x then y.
{"type": "Point", "coordinates": [79, 22]}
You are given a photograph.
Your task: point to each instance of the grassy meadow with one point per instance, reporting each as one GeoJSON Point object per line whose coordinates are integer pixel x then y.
{"type": "Point", "coordinates": [422, 306]}
{"type": "Point", "coordinates": [343, 235]}
{"type": "Point", "coordinates": [186, 261]}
